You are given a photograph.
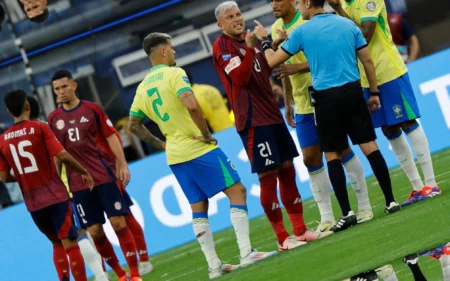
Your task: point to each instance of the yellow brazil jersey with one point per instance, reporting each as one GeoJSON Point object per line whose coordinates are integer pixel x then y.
{"type": "Point", "coordinates": [388, 62]}
{"type": "Point", "coordinates": [214, 107]}
{"type": "Point", "coordinates": [157, 98]}
{"type": "Point", "coordinates": [300, 82]}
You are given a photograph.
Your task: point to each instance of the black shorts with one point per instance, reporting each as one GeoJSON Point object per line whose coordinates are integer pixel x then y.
{"type": "Point", "coordinates": [105, 198]}
{"type": "Point", "coordinates": [340, 113]}
{"type": "Point", "coordinates": [268, 146]}
{"type": "Point", "coordinates": [56, 221]}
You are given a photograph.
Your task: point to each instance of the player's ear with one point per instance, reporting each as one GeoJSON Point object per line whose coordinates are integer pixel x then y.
{"type": "Point", "coordinates": [219, 25]}
{"type": "Point", "coordinates": [74, 85]}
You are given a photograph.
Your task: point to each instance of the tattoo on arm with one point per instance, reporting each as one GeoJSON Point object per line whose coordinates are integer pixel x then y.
{"type": "Point", "coordinates": [136, 126]}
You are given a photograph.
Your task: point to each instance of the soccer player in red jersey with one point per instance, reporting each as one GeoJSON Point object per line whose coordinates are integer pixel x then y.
{"type": "Point", "coordinates": [141, 245]}
{"type": "Point", "coordinates": [77, 124]}
{"type": "Point", "coordinates": [28, 148]}
{"type": "Point", "coordinates": [269, 145]}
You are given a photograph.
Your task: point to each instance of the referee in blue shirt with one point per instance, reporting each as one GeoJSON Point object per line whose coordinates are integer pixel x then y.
{"type": "Point", "coordinates": [332, 44]}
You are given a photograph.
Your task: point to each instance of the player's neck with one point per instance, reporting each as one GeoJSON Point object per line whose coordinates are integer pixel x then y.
{"type": "Point", "coordinates": [289, 17]}
{"type": "Point", "coordinates": [316, 11]}
{"type": "Point", "coordinates": [156, 62]}
{"type": "Point", "coordinates": [72, 104]}
{"type": "Point", "coordinates": [21, 118]}
{"type": "Point", "coordinates": [237, 38]}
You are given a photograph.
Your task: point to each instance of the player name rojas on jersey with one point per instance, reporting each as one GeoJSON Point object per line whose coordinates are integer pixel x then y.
{"type": "Point", "coordinates": [19, 133]}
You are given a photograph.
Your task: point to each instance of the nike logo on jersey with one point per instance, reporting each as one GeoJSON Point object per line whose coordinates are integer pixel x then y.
{"type": "Point", "coordinates": [84, 120]}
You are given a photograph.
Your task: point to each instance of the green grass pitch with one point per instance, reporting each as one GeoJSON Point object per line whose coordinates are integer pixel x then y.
{"type": "Point", "coordinates": [384, 240]}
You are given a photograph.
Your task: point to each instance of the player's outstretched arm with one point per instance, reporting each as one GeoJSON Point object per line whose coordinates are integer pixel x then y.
{"type": "Point", "coordinates": [73, 164]}
{"type": "Point", "coordinates": [189, 101]}
{"type": "Point", "coordinates": [365, 58]}
{"type": "Point", "coordinates": [273, 58]}
{"type": "Point", "coordinates": [122, 167]}
{"type": "Point", "coordinates": [286, 70]}
{"type": "Point", "coordinates": [136, 126]}
{"type": "Point", "coordinates": [288, 101]}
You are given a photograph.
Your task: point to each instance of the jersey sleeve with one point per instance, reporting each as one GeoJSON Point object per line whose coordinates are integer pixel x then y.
{"type": "Point", "coordinates": [237, 69]}
{"type": "Point", "coordinates": [135, 109]}
{"type": "Point", "coordinates": [181, 82]}
{"type": "Point", "coordinates": [294, 42]}
{"type": "Point", "coordinates": [51, 142]}
{"type": "Point", "coordinates": [106, 126]}
{"type": "Point", "coordinates": [371, 9]}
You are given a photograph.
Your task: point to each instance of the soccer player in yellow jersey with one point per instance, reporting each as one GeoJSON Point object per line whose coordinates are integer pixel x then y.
{"type": "Point", "coordinates": [399, 109]}
{"type": "Point", "coordinates": [200, 166]}
{"type": "Point", "coordinates": [296, 81]}
{"type": "Point", "coordinates": [90, 254]}
{"type": "Point", "coordinates": [213, 105]}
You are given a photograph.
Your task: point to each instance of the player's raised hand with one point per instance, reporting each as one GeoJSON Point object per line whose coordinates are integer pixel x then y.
{"type": "Point", "coordinates": [260, 31]}
{"type": "Point", "coordinates": [123, 174]}
{"type": "Point", "coordinates": [87, 179]}
{"type": "Point", "coordinates": [208, 139]}
{"type": "Point", "coordinates": [250, 39]}
{"type": "Point", "coordinates": [374, 104]}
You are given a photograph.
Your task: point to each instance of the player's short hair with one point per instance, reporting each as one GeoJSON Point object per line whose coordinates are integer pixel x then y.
{"type": "Point", "coordinates": [153, 40]}
{"type": "Point", "coordinates": [35, 109]}
{"type": "Point", "coordinates": [318, 3]}
{"type": "Point", "coordinates": [223, 7]}
{"type": "Point", "coordinates": [15, 102]}
{"type": "Point", "coordinates": [60, 74]}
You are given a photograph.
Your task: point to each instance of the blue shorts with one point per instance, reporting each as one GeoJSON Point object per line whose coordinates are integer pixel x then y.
{"type": "Point", "coordinates": [105, 198]}
{"type": "Point", "coordinates": [306, 130]}
{"type": "Point", "coordinates": [205, 176]}
{"type": "Point", "coordinates": [56, 221]}
{"type": "Point", "coordinates": [268, 146]}
{"type": "Point", "coordinates": [398, 103]}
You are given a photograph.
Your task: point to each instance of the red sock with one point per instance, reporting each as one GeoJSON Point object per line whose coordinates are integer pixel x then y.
{"type": "Point", "coordinates": [61, 262]}
{"type": "Point", "coordinates": [106, 250]}
{"type": "Point", "coordinates": [138, 235]}
{"type": "Point", "coordinates": [291, 199]}
{"type": "Point", "coordinates": [129, 250]}
{"type": "Point", "coordinates": [271, 205]}
{"type": "Point", "coordinates": [76, 263]}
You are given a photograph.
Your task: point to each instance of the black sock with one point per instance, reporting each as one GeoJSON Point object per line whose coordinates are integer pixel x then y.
{"type": "Point", "coordinates": [417, 273]}
{"type": "Point", "coordinates": [337, 178]}
{"type": "Point", "coordinates": [381, 172]}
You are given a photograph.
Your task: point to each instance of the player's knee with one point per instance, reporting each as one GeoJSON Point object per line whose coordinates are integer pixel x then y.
{"type": "Point", "coordinates": [117, 223]}
{"type": "Point", "coordinates": [389, 131]}
{"type": "Point", "coordinates": [408, 125]}
{"type": "Point", "coordinates": [238, 191]}
{"type": "Point", "coordinates": [311, 161]}
{"type": "Point", "coordinates": [96, 231]}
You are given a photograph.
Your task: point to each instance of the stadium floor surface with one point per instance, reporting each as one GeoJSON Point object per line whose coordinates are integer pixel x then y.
{"type": "Point", "coordinates": [384, 240]}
